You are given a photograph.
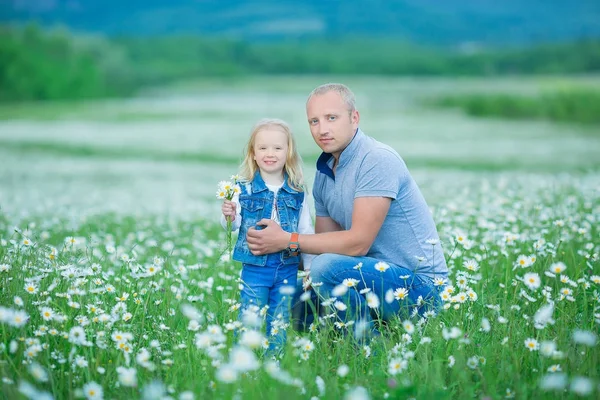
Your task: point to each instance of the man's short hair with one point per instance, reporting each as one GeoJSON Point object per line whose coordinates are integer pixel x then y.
{"type": "Point", "coordinates": [343, 90]}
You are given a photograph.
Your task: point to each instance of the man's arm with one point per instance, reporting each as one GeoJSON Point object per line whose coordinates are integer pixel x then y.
{"type": "Point", "coordinates": [367, 218]}
{"type": "Point", "coordinates": [326, 224]}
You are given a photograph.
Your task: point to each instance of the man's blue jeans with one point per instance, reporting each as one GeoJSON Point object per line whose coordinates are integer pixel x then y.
{"type": "Point", "coordinates": [333, 269]}
{"type": "Point", "coordinates": [261, 286]}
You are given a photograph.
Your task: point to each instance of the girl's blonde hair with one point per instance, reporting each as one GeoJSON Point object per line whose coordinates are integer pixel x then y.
{"type": "Point", "coordinates": [293, 161]}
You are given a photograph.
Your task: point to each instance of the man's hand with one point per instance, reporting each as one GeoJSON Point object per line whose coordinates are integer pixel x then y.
{"type": "Point", "coordinates": [270, 239]}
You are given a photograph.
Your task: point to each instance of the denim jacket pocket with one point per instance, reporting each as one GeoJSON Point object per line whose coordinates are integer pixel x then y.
{"type": "Point", "coordinates": [252, 205]}
{"type": "Point", "coordinates": [292, 202]}
{"type": "Point", "coordinates": [252, 209]}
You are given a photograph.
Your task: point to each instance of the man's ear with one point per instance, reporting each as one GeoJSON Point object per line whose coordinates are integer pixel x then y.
{"type": "Point", "coordinates": [355, 118]}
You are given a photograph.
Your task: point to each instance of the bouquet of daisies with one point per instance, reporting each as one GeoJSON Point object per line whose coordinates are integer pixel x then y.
{"type": "Point", "coordinates": [226, 190]}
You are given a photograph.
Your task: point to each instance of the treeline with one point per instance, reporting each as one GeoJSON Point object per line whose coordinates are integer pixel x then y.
{"type": "Point", "coordinates": [175, 57]}
{"type": "Point", "coordinates": [56, 64]}
{"type": "Point", "coordinates": [41, 65]}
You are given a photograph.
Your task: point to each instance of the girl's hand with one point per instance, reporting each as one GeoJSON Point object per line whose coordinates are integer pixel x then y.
{"type": "Point", "coordinates": [229, 209]}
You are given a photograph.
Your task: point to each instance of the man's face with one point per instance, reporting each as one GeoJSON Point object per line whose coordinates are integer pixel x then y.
{"type": "Point", "coordinates": [331, 123]}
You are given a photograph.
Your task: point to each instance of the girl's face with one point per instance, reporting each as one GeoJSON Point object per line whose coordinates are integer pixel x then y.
{"type": "Point", "coordinates": [270, 150]}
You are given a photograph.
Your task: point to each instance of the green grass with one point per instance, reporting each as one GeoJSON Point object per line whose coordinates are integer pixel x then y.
{"type": "Point", "coordinates": [499, 226]}
{"type": "Point", "coordinates": [502, 215]}
{"type": "Point", "coordinates": [100, 111]}
{"type": "Point", "coordinates": [83, 151]}
{"type": "Point", "coordinates": [40, 111]}
{"type": "Point", "coordinates": [56, 149]}
{"type": "Point", "coordinates": [574, 105]}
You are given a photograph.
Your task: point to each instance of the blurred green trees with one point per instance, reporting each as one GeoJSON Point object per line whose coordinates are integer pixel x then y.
{"type": "Point", "coordinates": [43, 65]}
{"type": "Point", "coordinates": [37, 64]}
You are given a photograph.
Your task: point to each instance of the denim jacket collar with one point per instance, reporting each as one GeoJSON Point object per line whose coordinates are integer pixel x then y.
{"type": "Point", "coordinates": [259, 185]}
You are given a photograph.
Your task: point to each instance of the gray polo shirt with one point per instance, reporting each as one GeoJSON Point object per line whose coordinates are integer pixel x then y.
{"type": "Point", "coordinates": [368, 168]}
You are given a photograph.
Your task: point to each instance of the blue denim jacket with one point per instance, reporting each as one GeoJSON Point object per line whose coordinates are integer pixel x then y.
{"type": "Point", "coordinates": [256, 201]}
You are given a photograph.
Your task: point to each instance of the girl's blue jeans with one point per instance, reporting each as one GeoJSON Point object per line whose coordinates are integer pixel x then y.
{"type": "Point", "coordinates": [270, 285]}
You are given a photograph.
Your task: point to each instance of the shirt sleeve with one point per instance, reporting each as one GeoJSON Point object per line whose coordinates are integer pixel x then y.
{"type": "Point", "coordinates": [380, 175]}
{"type": "Point", "coordinates": [237, 222]}
{"type": "Point", "coordinates": [305, 226]}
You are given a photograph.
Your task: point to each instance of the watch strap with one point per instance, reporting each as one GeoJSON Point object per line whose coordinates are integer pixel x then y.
{"type": "Point", "coordinates": [294, 246]}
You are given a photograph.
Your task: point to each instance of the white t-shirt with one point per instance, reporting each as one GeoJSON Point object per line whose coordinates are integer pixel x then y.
{"type": "Point", "coordinates": [305, 225]}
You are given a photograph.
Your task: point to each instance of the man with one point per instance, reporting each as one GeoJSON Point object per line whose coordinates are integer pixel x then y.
{"type": "Point", "coordinates": [374, 234]}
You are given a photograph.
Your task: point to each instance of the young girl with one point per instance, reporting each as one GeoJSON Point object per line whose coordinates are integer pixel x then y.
{"type": "Point", "coordinates": [271, 187]}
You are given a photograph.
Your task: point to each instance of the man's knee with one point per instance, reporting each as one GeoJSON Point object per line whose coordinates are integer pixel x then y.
{"type": "Point", "coordinates": [320, 264]}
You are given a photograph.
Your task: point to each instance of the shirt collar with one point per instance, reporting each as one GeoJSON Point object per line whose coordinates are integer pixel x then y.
{"type": "Point", "coordinates": [347, 154]}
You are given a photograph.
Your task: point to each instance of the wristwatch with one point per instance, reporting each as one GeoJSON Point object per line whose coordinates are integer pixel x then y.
{"type": "Point", "coordinates": [293, 248]}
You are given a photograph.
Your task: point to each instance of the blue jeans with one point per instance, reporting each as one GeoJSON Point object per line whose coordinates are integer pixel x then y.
{"type": "Point", "coordinates": [332, 269]}
{"type": "Point", "coordinates": [261, 286]}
